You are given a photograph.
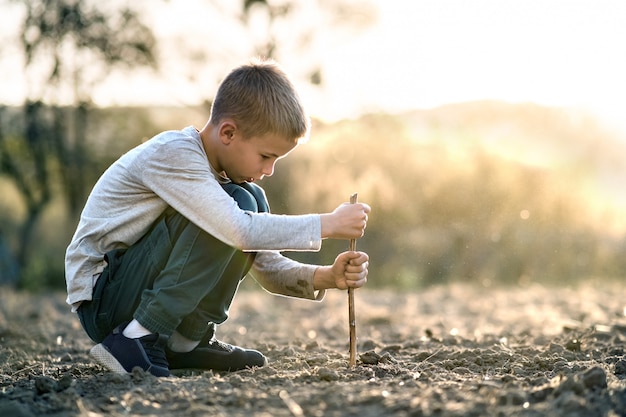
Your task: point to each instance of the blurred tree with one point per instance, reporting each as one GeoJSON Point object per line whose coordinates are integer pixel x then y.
{"type": "Point", "coordinates": [8, 266]}
{"type": "Point", "coordinates": [68, 46]}
{"type": "Point", "coordinates": [25, 159]}
{"type": "Point", "coordinates": [287, 31]}
{"type": "Point", "coordinates": [339, 15]}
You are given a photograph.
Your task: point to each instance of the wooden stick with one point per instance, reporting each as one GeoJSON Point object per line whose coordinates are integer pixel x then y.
{"type": "Point", "coordinates": [351, 315]}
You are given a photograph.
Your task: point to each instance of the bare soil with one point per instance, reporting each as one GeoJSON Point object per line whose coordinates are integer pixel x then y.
{"type": "Point", "coordinates": [445, 351]}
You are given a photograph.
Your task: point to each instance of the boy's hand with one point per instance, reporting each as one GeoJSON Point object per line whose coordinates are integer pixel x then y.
{"type": "Point", "coordinates": [348, 271]}
{"type": "Point", "coordinates": [347, 221]}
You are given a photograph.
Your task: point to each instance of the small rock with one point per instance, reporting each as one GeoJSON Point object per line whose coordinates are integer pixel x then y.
{"type": "Point", "coordinates": [326, 374]}
{"type": "Point", "coordinates": [65, 382]}
{"type": "Point", "coordinates": [556, 348]}
{"type": "Point", "coordinates": [620, 367]}
{"type": "Point", "coordinates": [387, 358]}
{"type": "Point", "coordinates": [573, 345]}
{"type": "Point", "coordinates": [44, 385]}
{"type": "Point", "coordinates": [370, 358]}
{"type": "Point", "coordinates": [595, 378]}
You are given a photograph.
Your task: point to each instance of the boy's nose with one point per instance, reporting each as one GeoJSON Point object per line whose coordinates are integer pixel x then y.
{"type": "Point", "coordinates": [268, 169]}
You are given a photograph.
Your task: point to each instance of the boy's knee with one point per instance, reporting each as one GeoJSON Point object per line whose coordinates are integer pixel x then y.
{"type": "Point", "coordinates": [245, 199]}
{"type": "Point", "coordinates": [259, 195]}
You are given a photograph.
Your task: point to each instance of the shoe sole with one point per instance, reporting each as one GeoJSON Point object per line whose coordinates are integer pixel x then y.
{"type": "Point", "coordinates": [101, 354]}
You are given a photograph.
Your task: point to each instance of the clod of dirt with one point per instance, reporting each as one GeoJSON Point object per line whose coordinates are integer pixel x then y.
{"type": "Point", "coordinates": [595, 378]}
{"type": "Point", "coordinates": [326, 374]}
{"type": "Point", "coordinates": [620, 367]}
{"type": "Point", "coordinates": [573, 345]}
{"type": "Point", "coordinates": [503, 361]}
{"type": "Point", "coordinates": [372, 358]}
{"type": "Point", "coordinates": [65, 382]}
{"type": "Point", "coordinates": [44, 385]}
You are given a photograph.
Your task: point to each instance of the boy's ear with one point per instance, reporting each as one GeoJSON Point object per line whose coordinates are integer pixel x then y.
{"type": "Point", "coordinates": [227, 131]}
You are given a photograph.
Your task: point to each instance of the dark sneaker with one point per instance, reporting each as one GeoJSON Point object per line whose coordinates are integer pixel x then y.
{"type": "Point", "coordinates": [121, 354]}
{"type": "Point", "coordinates": [216, 355]}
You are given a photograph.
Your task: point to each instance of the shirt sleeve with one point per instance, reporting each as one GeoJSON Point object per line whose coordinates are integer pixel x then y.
{"type": "Point", "coordinates": [181, 176]}
{"type": "Point", "coordinates": [283, 276]}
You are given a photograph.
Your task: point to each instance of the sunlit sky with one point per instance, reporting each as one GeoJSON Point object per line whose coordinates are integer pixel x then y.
{"type": "Point", "coordinates": [415, 54]}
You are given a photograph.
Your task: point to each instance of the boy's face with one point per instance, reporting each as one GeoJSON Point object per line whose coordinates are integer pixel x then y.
{"type": "Point", "coordinates": [248, 160]}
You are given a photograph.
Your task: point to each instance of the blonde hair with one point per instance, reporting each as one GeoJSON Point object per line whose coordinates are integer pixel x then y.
{"type": "Point", "coordinates": [261, 100]}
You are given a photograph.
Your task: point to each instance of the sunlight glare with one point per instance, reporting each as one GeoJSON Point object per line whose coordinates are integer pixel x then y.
{"type": "Point", "coordinates": [414, 55]}
{"type": "Point", "coordinates": [424, 54]}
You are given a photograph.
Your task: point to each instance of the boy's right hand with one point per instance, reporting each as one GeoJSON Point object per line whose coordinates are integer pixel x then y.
{"type": "Point", "coordinates": [347, 221]}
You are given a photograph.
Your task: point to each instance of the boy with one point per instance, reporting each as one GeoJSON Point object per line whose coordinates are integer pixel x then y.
{"type": "Point", "coordinates": [171, 228]}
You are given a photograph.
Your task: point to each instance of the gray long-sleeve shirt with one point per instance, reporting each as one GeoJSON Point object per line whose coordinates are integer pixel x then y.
{"type": "Point", "coordinates": [172, 169]}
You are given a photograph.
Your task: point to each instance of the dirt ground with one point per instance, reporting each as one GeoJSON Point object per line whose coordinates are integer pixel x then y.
{"type": "Point", "coordinates": [445, 351]}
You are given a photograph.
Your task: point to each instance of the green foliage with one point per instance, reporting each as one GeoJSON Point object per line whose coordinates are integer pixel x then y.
{"type": "Point", "coordinates": [448, 205]}
{"type": "Point", "coordinates": [41, 273]}
{"type": "Point", "coordinates": [451, 202]}
{"type": "Point", "coordinates": [98, 39]}
{"type": "Point", "coordinates": [67, 46]}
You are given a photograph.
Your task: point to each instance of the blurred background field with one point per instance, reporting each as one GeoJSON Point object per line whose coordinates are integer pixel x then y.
{"type": "Point", "coordinates": [491, 186]}
{"type": "Point", "coordinates": [475, 192]}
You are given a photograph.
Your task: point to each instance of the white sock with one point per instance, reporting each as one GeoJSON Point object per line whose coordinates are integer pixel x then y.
{"type": "Point", "coordinates": [179, 343]}
{"type": "Point", "coordinates": [135, 330]}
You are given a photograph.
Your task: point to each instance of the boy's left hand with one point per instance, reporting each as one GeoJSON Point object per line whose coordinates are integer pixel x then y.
{"type": "Point", "coordinates": [350, 270]}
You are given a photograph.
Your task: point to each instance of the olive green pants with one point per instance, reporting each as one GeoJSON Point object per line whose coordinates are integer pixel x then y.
{"type": "Point", "coordinates": [176, 277]}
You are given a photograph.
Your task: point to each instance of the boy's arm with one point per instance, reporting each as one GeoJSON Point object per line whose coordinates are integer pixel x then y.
{"type": "Point", "coordinates": [181, 177]}
{"type": "Point", "coordinates": [283, 276]}
{"type": "Point", "coordinates": [345, 222]}
{"type": "Point", "coordinates": [349, 270]}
